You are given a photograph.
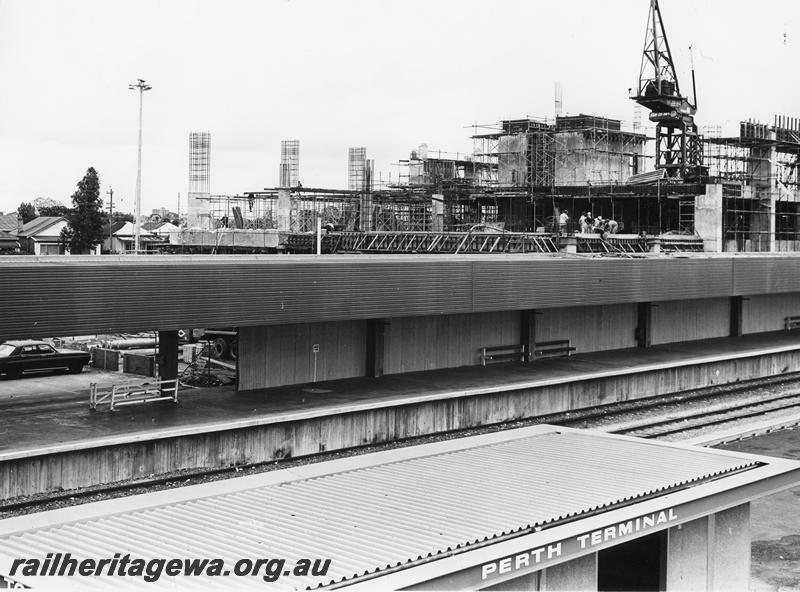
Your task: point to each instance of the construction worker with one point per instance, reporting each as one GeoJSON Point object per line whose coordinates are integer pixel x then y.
{"type": "Point", "coordinates": [563, 219]}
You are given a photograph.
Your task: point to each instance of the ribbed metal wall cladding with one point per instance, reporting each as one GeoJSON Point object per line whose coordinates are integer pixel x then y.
{"type": "Point", "coordinates": [50, 296]}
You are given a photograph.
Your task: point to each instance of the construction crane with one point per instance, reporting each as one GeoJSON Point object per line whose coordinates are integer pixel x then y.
{"type": "Point", "coordinates": [679, 148]}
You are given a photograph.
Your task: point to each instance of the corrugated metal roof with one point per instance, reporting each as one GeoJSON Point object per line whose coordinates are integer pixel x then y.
{"type": "Point", "coordinates": [372, 518]}
{"type": "Point", "coordinates": [9, 221]}
{"type": "Point", "coordinates": [37, 225]}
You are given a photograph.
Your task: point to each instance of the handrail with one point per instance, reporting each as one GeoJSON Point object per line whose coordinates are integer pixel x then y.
{"type": "Point", "coordinates": [133, 394]}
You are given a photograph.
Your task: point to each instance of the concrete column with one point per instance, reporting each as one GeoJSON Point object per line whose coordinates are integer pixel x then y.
{"type": "Point", "coordinates": [729, 550]}
{"type": "Point", "coordinates": [284, 210]}
{"type": "Point", "coordinates": [737, 308]}
{"type": "Point", "coordinates": [644, 324]}
{"type": "Point", "coordinates": [708, 218]}
{"type": "Point", "coordinates": [168, 354]}
{"type": "Point", "coordinates": [437, 212]}
{"type": "Point", "coordinates": [578, 575]}
{"type": "Point", "coordinates": [654, 245]}
{"type": "Point", "coordinates": [687, 556]}
{"type": "Point", "coordinates": [527, 332]}
{"type": "Point", "coordinates": [376, 346]}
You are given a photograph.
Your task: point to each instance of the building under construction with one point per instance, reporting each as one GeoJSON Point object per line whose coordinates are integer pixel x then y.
{"type": "Point", "coordinates": [675, 187]}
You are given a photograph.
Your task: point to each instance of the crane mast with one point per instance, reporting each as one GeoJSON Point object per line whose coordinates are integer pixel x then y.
{"type": "Point", "coordinates": [679, 148]}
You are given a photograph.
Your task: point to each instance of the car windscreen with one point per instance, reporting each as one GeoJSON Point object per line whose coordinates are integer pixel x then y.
{"type": "Point", "coordinates": [6, 350]}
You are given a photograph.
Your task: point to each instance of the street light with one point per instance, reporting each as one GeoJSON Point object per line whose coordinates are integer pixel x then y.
{"type": "Point", "coordinates": [141, 86]}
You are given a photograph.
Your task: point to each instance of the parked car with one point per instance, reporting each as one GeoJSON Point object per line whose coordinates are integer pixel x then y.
{"type": "Point", "coordinates": [17, 357]}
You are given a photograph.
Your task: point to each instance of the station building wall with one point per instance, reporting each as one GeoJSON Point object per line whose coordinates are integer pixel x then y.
{"type": "Point", "coordinates": [589, 328]}
{"type": "Point", "coordinates": [278, 355]}
{"type": "Point", "coordinates": [688, 320]}
{"type": "Point", "coordinates": [768, 312]}
{"type": "Point", "coordinates": [447, 341]}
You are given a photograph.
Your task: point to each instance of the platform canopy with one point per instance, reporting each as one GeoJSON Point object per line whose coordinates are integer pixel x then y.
{"type": "Point", "coordinates": [454, 511]}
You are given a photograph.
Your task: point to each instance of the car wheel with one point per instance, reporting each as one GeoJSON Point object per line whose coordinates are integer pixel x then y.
{"type": "Point", "coordinates": [76, 368]}
{"type": "Point", "coordinates": [14, 373]}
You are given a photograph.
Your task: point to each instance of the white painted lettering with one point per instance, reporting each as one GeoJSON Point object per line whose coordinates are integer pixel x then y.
{"type": "Point", "coordinates": [582, 540]}
{"type": "Point", "coordinates": [522, 560]}
{"type": "Point", "coordinates": [662, 517]}
{"type": "Point", "coordinates": [610, 533]}
{"type": "Point", "coordinates": [488, 568]}
{"type": "Point", "coordinates": [638, 524]}
{"type": "Point", "coordinates": [554, 550]}
{"type": "Point", "coordinates": [672, 514]}
{"type": "Point", "coordinates": [505, 565]}
{"type": "Point", "coordinates": [648, 521]}
{"type": "Point", "coordinates": [597, 537]}
{"type": "Point", "coordinates": [626, 528]}
{"type": "Point", "coordinates": [537, 554]}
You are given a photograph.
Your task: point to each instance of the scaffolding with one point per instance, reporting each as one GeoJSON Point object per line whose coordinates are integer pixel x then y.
{"type": "Point", "coordinates": [250, 212]}
{"type": "Point", "coordinates": [357, 169]}
{"type": "Point", "coordinates": [290, 163]}
{"type": "Point", "coordinates": [199, 162]}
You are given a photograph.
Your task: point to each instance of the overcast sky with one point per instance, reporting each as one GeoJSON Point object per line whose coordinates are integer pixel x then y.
{"type": "Point", "coordinates": [341, 73]}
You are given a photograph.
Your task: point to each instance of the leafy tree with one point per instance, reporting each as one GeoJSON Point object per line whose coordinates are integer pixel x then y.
{"type": "Point", "coordinates": [58, 210]}
{"type": "Point", "coordinates": [26, 211]}
{"type": "Point", "coordinates": [85, 229]}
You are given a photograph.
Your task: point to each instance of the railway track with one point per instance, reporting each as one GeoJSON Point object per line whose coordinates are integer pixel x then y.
{"type": "Point", "coordinates": [662, 417]}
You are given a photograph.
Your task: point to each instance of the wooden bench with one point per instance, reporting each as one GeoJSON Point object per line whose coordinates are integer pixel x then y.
{"type": "Point", "coordinates": [503, 353]}
{"type": "Point", "coordinates": [560, 347]}
{"type": "Point", "coordinates": [791, 323]}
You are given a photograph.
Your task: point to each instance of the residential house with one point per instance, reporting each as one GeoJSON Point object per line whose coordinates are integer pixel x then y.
{"type": "Point", "coordinates": [122, 239]}
{"type": "Point", "coordinates": [42, 236]}
{"type": "Point", "coordinates": [9, 223]}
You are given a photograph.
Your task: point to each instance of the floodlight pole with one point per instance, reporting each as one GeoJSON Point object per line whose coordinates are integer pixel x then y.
{"type": "Point", "coordinates": [141, 86]}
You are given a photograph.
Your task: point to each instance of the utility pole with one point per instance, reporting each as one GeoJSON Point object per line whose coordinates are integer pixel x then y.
{"type": "Point", "coordinates": [141, 86]}
{"type": "Point", "coordinates": [110, 216]}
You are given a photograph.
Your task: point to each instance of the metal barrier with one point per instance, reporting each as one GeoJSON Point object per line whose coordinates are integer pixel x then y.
{"type": "Point", "coordinates": [133, 394]}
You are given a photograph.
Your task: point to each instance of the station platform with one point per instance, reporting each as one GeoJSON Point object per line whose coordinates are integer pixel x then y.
{"type": "Point", "coordinates": [46, 427]}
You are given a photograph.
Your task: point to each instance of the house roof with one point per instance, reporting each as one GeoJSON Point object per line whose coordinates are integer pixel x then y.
{"type": "Point", "coordinates": [39, 225]}
{"type": "Point", "coordinates": [8, 221]}
{"type": "Point", "coordinates": [127, 229]}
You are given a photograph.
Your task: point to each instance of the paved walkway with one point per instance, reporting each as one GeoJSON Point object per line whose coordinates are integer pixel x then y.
{"type": "Point", "coordinates": [45, 424]}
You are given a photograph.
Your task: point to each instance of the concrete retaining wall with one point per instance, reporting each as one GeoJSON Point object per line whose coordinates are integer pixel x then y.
{"type": "Point", "coordinates": [76, 469]}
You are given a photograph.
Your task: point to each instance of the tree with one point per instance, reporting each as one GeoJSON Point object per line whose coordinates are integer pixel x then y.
{"type": "Point", "coordinates": [26, 211]}
{"type": "Point", "coordinates": [58, 210]}
{"type": "Point", "coordinates": [85, 229]}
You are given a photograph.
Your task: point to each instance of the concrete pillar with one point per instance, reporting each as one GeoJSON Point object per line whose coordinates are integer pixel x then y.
{"type": "Point", "coordinates": [168, 354]}
{"type": "Point", "coordinates": [729, 550]}
{"type": "Point", "coordinates": [737, 308]}
{"type": "Point", "coordinates": [761, 169]}
{"type": "Point", "coordinates": [284, 210]}
{"type": "Point", "coordinates": [578, 575]}
{"type": "Point", "coordinates": [708, 218]}
{"type": "Point", "coordinates": [376, 346]}
{"type": "Point", "coordinates": [365, 213]}
{"type": "Point", "coordinates": [527, 332]}
{"type": "Point", "coordinates": [437, 212]}
{"type": "Point", "coordinates": [568, 244]}
{"type": "Point", "coordinates": [654, 245]}
{"type": "Point", "coordinates": [644, 324]}
{"type": "Point", "coordinates": [687, 556]}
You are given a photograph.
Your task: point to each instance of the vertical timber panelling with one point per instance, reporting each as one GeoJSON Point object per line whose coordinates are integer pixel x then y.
{"type": "Point", "coordinates": [447, 341]}
{"type": "Point", "coordinates": [689, 320]}
{"type": "Point", "coordinates": [768, 312]}
{"type": "Point", "coordinates": [589, 328]}
{"type": "Point", "coordinates": [283, 354]}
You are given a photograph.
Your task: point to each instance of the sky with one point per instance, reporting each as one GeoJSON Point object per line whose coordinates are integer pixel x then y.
{"type": "Point", "coordinates": [333, 74]}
